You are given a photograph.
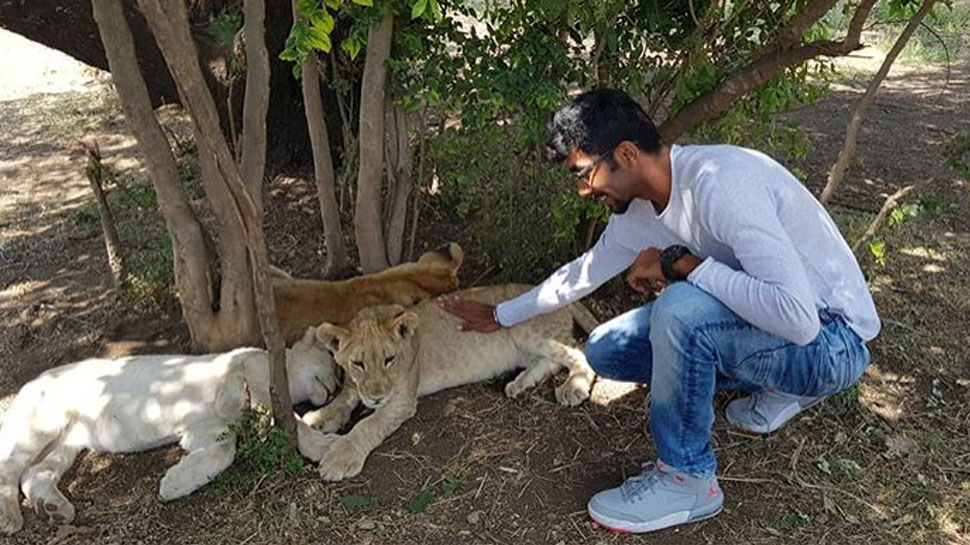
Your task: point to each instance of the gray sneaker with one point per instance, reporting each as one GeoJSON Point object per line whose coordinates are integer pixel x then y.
{"type": "Point", "coordinates": [767, 410]}
{"type": "Point", "coordinates": [657, 498]}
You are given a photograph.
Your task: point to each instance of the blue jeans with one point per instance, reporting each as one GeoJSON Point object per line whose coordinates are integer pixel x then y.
{"type": "Point", "coordinates": [685, 344]}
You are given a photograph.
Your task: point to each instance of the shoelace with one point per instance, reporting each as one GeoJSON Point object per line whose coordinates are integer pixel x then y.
{"type": "Point", "coordinates": [635, 486]}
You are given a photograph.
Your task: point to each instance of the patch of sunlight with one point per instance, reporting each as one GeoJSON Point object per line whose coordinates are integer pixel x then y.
{"type": "Point", "coordinates": [923, 252]}
{"type": "Point", "coordinates": [953, 530]}
{"type": "Point", "coordinates": [933, 268]}
{"type": "Point", "coordinates": [884, 392]}
{"type": "Point", "coordinates": [607, 391]}
{"type": "Point", "coordinates": [21, 288]}
{"type": "Point", "coordinates": [879, 281]}
{"type": "Point", "coordinates": [34, 68]}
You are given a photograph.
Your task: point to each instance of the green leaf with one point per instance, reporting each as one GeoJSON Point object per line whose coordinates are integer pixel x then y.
{"type": "Point", "coordinates": [332, 4]}
{"type": "Point", "coordinates": [306, 7]}
{"type": "Point", "coordinates": [435, 9]}
{"type": "Point", "coordinates": [793, 521]}
{"type": "Point", "coordinates": [322, 20]}
{"type": "Point", "coordinates": [356, 501]}
{"type": "Point", "coordinates": [418, 8]}
{"type": "Point", "coordinates": [319, 39]}
{"type": "Point", "coordinates": [224, 28]}
{"type": "Point", "coordinates": [823, 465]}
{"type": "Point", "coordinates": [878, 250]}
{"type": "Point", "coordinates": [352, 47]}
{"type": "Point", "coordinates": [421, 501]}
{"type": "Point", "coordinates": [297, 70]}
{"type": "Point", "coordinates": [450, 484]}
{"type": "Point", "coordinates": [364, 2]}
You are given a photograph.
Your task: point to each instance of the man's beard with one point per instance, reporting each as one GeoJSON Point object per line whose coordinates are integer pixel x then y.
{"type": "Point", "coordinates": [620, 207]}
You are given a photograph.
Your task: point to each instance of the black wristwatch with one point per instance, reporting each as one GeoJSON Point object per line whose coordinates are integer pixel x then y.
{"type": "Point", "coordinates": [668, 257]}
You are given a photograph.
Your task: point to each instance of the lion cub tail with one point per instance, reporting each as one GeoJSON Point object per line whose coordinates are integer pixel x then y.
{"type": "Point", "coordinates": [583, 317]}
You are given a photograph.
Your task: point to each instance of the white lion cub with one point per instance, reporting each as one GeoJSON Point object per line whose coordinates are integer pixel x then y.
{"type": "Point", "coordinates": [138, 403]}
{"type": "Point", "coordinates": [392, 356]}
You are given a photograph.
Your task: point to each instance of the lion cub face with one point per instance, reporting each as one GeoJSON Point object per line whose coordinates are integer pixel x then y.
{"type": "Point", "coordinates": [376, 350]}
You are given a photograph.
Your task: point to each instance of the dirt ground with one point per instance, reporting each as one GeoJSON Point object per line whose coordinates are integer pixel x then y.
{"type": "Point", "coordinates": [887, 462]}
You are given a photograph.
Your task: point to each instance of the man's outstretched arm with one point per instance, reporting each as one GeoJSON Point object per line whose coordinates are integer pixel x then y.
{"type": "Point", "coordinates": [569, 283]}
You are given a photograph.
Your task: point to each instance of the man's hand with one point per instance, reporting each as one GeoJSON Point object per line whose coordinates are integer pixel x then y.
{"type": "Point", "coordinates": [474, 316]}
{"type": "Point", "coordinates": [645, 271]}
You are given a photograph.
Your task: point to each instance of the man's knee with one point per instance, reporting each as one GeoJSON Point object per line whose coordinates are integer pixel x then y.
{"type": "Point", "coordinates": [598, 347]}
{"type": "Point", "coordinates": [683, 304]}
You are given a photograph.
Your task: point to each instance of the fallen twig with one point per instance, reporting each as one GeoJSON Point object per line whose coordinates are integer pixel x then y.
{"type": "Point", "coordinates": [887, 207]}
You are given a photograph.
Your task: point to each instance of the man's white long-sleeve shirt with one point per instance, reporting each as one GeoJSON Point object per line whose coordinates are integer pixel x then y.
{"type": "Point", "coordinates": [771, 253]}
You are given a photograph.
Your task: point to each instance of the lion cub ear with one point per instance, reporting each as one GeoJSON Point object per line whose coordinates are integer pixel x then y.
{"type": "Point", "coordinates": [403, 325]}
{"type": "Point", "coordinates": [331, 336]}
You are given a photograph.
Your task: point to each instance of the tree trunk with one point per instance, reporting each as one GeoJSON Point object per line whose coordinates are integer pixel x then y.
{"type": "Point", "coordinates": [235, 322]}
{"type": "Point", "coordinates": [784, 53]}
{"type": "Point", "coordinates": [190, 252]}
{"type": "Point", "coordinates": [416, 201]}
{"type": "Point", "coordinates": [171, 30]}
{"type": "Point", "coordinates": [338, 261]}
{"type": "Point", "coordinates": [399, 155]}
{"type": "Point", "coordinates": [112, 244]}
{"type": "Point", "coordinates": [367, 215]}
{"type": "Point", "coordinates": [253, 163]}
{"type": "Point", "coordinates": [859, 111]}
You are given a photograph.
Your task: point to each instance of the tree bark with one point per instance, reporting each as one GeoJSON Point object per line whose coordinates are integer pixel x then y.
{"type": "Point", "coordinates": [337, 260]}
{"type": "Point", "coordinates": [398, 166]}
{"type": "Point", "coordinates": [256, 102]}
{"type": "Point", "coordinates": [235, 322]}
{"type": "Point", "coordinates": [112, 244]}
{"type": "Point", "coordinates": [783, 54]}
{"type": "Point", "coordinates": [190, 252]}
{"type": "Point", "coordinates": [170, 27]}
{"type": "Point", "coordinates": [367, 215]}
{"type": "Point", "coordinates": [837, 174]}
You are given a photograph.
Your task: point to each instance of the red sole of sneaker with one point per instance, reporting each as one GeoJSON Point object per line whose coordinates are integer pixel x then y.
{"type": "Point", "coordinates": [609, 528]}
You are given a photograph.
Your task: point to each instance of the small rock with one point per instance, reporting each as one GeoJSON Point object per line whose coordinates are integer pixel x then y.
{"type": "Point", "coordinates": [474, 517]}
{"type": "Point", "coordinates": [464, 533]}
{"type": "Point", "coordinates": [366, 524]}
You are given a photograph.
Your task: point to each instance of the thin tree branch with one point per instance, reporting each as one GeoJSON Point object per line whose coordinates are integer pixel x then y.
{"type": "Point", "coordinates": [887, 207]}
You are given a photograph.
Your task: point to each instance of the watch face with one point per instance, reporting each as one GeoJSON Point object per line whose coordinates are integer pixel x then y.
{"type": "Point", "coordinates": [668, 257]}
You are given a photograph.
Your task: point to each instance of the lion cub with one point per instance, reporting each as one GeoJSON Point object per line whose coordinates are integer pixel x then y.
{"type": "Point", "coordinates": [392, 356]}
{"type": "Point", "coordinates": [304, 303]}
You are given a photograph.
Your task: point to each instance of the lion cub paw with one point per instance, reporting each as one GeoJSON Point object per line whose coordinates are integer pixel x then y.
{"type": "Point", "coordinates": [312, 443]}
{"type": "Point", "coordinates": [328, 419]}
{"type": "Point", "coordinates": [55, 510]}
{"type": "Point", "coordinates": [514, 389]}
{"type": "Point", "coordinates": [342, 461]}
{"type": "Point", "coordinates": [574, 391]}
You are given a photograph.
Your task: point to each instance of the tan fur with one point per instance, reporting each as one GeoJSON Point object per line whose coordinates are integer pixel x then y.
{"type": "Point", "coordinates": [303, 303]}
{"type": "Point", "coordinates": [392, 356]}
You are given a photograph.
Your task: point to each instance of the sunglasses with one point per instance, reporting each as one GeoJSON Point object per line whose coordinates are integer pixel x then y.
{"type": "Point", "coordinates": [581, 177]}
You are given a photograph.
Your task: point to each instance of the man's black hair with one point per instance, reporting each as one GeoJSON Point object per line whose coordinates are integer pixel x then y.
{"type": "Point", "coordinates": [598, 120]}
